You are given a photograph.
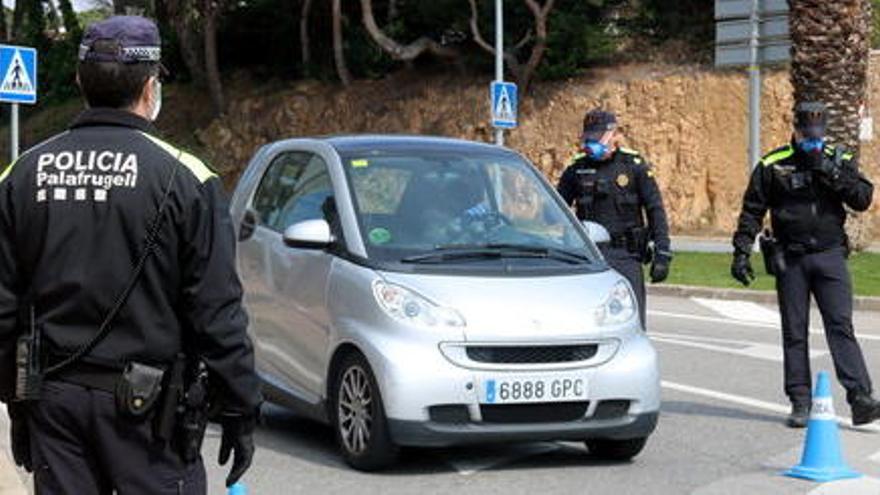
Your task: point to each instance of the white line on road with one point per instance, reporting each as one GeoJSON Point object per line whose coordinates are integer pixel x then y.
{"type": "Point", "coordinates": [758, 350]}
{"type": "Point", "coordinates": [482, 462]}
{"type": "Point", "coordinates": [750, 402]}
{"type": "Point", "coordinates": [751, 324]}
{"type": "Point", "coordinates": [739, 310]}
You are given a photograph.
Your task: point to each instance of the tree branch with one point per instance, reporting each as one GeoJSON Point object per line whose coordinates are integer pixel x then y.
{"type": "Point", "coordinates": [509, 57]}
{"type": "Point", "coordinates": [304, 34]}
{"type": "Point", "coordinates": [395, 49]}
{"type": "Point", "coordinates": [338, 48]}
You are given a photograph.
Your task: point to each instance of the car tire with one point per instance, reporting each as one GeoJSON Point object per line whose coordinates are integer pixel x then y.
{"type": "Point", "coordinates": [359, 421]}
{"type": "Point", "coordinates": [616, 450]}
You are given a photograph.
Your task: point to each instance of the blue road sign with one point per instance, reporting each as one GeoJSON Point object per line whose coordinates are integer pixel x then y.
{"type": "Point", "coordinates": [18, 68]}
{"type": "Point", "coordinates": [504, 104]}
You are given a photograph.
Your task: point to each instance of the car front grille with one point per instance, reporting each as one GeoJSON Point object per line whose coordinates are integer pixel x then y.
{"type": "Point", "coordinates": [545, 412]}
{"type": "Point", "coordinates": [532, 354]}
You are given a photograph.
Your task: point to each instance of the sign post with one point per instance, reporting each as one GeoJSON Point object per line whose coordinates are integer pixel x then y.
{"type": "Point", "coordinates": [499, 62]}
{"type": "Point", "coordinates": [754, 89]}
{"type": "Point", "coordinates": [752, 33]}
{"type": "Point", "coordinates": [18, 67]}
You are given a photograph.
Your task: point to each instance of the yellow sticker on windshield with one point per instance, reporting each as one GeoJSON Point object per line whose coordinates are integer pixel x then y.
{"type": "Point", "coordinates": [360, 163]}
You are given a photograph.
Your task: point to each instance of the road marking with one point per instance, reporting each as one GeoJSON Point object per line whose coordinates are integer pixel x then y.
{"type": "Point", "coordinates": [758, 350]}
{"type": "Point", "coordinates": [859, 486]}
{"type": "Point", "coordinates": [750, 402]}
{"type": "Point", "coordinates": [739, 310]}
{"type": "Point", "coordinates": [481, 461]}
{"type": "Point", "coordinates": [751, 324]}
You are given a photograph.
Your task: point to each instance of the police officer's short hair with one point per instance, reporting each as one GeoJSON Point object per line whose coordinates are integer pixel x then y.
{"type": "Point", "coordinates": [112, 84]}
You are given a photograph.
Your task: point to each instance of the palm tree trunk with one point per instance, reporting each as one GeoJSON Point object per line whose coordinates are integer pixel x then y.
{"type": "Point", "coordinates": [830, 51]}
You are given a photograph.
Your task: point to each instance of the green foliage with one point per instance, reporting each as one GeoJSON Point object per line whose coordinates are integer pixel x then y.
{"type": "Point", "coordinates": [262, 36]}
{"type": "Point", "coordinates": [89, 17]}
{"type": "Point", "coordinates": [573, 44]}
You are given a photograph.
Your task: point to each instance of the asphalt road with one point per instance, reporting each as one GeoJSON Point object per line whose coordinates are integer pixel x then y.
{"type": "Point", "coordinates": [720, 431]}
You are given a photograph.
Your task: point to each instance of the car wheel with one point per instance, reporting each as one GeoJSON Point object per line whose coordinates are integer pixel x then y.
{"type": "Point", "coordinates": [616, 450]}
{"type": "Point", "coordinates": [359, 416]}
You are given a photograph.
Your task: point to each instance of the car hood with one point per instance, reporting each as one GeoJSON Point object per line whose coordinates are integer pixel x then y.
{"type": "Point", "coordinates": [533, 309]}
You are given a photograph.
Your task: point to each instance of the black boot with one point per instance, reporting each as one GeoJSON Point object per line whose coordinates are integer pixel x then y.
{"type": "Point", "coordinates": [800, 414]}
{"type": "Point", "coordinates": [865, 409]}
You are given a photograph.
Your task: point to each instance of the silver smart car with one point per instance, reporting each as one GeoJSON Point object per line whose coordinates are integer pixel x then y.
{"type": "Point", "coordinates": [416, 291]}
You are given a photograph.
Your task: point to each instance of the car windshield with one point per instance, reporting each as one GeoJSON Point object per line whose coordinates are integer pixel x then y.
{"type": "Point", "coordinates": [454, 207]}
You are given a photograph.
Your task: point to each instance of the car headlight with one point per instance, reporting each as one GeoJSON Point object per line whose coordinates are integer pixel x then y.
{"type": "Point", "coordinates": [407, 306]}
{"type": "Point", "coordinates": [618, 307]}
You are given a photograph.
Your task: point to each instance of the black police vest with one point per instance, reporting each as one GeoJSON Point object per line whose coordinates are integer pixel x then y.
{"type": "Point", "coordinates": [608, 193]}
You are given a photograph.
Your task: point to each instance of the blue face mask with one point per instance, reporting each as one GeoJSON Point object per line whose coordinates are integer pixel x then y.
{"type": "Point", "coordinates": [811, 145]}
{"type": "Point", "coordinates": [595, 150]}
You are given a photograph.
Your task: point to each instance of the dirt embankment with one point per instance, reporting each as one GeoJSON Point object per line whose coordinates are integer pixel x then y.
{"type": "Point", "coordinates": [689, 122]}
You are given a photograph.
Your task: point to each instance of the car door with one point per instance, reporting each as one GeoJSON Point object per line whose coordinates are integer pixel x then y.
{"type": "Point", "coordinates": [286, 287]}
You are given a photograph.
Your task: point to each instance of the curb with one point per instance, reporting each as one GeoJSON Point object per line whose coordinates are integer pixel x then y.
{"type": "Point", "coordinates": [860, 303]}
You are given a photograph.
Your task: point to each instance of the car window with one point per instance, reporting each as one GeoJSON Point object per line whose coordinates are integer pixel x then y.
{"type": "Point", "coordinates": [519, 198]}
{"type": "Point", "coordinates": [379, 190]}
{"type": "Point", "coordinates": [413, 203]}
{"type": "Point", "coordinates": [294, 189]}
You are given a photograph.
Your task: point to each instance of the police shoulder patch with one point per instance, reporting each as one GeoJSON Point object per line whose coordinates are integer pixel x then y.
{"type": "Point", "coordinates": [7, 170]}
{"type": "Point", "coordinates": [196, 166]}
{"type": "Point", "coordinates": [777, 155]}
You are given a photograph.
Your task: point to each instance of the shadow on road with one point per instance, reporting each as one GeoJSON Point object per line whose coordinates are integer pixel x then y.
{"type": "Point", "coordinates": [688, 408]}
{"type": "Point", "coordinates": [285, 433]}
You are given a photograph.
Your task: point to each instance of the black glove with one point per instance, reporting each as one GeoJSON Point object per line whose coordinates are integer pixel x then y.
{"type": "Point", "coordinates": [741, 269]}
{"type": "Point", "coordinates": [19, 434]}
{"type": "Point", "coordinates": [238, 436]}
{"type": "Point", "coordinates": [660, 267]}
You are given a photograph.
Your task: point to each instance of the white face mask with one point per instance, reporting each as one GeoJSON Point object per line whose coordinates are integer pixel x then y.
{"type": "Point", "coordinates": [157, 99]}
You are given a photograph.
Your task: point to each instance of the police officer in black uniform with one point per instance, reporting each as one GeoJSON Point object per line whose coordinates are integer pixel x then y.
{"type": "Point", "coordinates": [615, 187]}
{"type": "Point", "coordinates": [116, 256]}
{"type": "Point", "coordinates": [805, 185]}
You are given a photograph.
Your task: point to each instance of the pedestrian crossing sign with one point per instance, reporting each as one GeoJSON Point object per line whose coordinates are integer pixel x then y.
{"type": "Point", "coordinates": [504, 104]}
{"type": "Point", "coordinates": [18, 68]}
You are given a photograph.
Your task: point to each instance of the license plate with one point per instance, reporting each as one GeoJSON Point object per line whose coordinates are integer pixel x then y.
{"type": "Point", "coordinates": [520, 390]}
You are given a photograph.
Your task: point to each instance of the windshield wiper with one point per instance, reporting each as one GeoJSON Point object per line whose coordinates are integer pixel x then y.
{"type": "Point", "coordinates": [455, 252]}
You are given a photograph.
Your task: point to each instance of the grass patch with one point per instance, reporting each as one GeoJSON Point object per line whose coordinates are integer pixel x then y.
{"type": "Point", "coordinates": [713, 270]}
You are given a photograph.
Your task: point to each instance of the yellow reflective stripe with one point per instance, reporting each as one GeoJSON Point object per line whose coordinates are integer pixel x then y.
{"type": "Point", "coordinates": [847, 156]}
{"type": "Point", "coordinates": [578, 156]}
{"type": "Point", "coordinates": [7, 171]}
{"type": "Point", "coordinates": [777, 156]}
{"type": "Point", "coordinates": [628, 151]}
{"type": "Point", "coordinates": [196, 166]}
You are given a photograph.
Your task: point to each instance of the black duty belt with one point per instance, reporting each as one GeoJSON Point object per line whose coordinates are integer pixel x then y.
{"type": "Point", "coordinates": [89, 376]}
{"type": "Point", "coordinates": [796, 248]}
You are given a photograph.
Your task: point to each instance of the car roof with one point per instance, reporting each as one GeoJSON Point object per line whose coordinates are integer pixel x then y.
{"type": "Point", "coordinates": [347, 144]}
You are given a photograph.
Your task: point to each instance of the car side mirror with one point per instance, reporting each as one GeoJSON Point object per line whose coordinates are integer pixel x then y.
{"type": "Point", "coordinates": [309, 234]}
{"type": "Point", "coordinates": [596, 232]}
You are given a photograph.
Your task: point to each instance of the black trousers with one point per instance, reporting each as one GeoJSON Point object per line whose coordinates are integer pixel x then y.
{"type": "Point", "coordinates": [825, 276]}
{"type": "Point", "coordinates": [80, 446]}
{"type": "Point", "coordinates": [631, 268]}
